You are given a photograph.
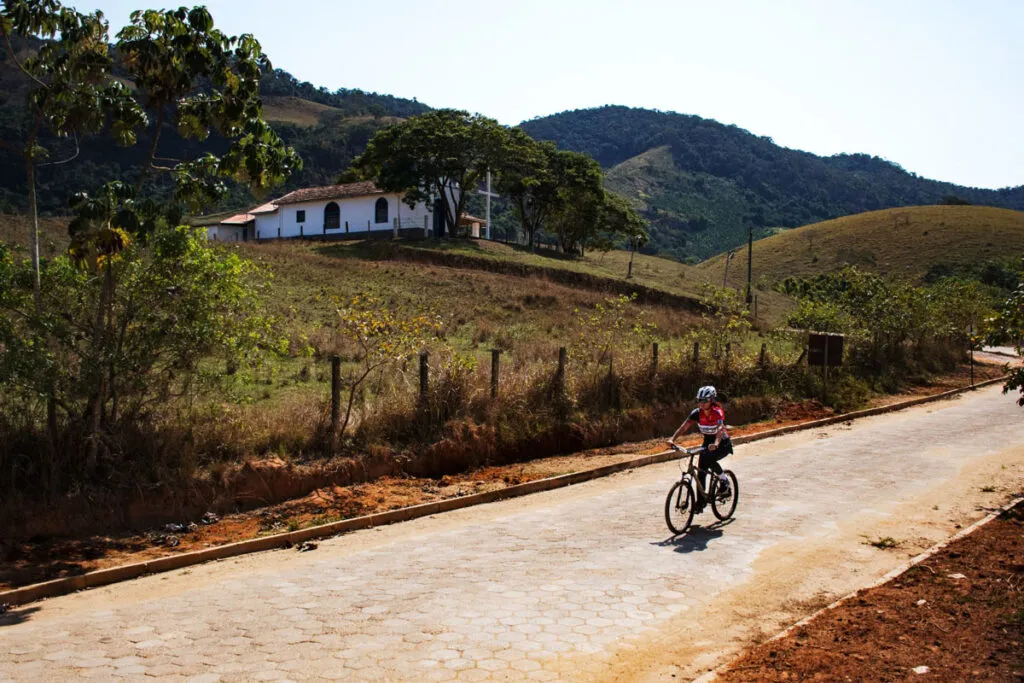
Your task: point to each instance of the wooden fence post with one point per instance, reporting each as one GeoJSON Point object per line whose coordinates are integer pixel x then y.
{"type": "Point", "coordinates": [335, 398]}
{"type": "Point", "coordinates": [495, 356]}
{"type": "Point", "coordinates": [728, 354]}
{"type": "Point", "coordinates": [560, 374]}
{"type": "Point", "coordinates": [611, 381]}
{"type": "Point", "coordinates": [654, 358]}
{"type": "Point", "coordinates": [764, 354]}
{"type": "Point", "coordinates": [424, 374]}
{"type": "Point", "coordinates": [394, 235]}
{"type": "Point", "coordinates": [696, 353]}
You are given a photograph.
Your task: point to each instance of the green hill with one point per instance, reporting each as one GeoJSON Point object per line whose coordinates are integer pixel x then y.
{"type": "Point", "coordinates": [328, 129]}
{"type": "Point", "coordinates": [702, 183]}
{"type": "Point", "coordinates": [910, 242]}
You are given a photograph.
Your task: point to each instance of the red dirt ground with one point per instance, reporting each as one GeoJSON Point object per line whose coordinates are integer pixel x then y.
{"type": "Point", "coordinates": [960, 613]}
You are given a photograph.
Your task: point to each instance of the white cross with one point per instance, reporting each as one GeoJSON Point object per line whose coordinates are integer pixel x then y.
{"type": "Point", "coordinates": [487, 202]}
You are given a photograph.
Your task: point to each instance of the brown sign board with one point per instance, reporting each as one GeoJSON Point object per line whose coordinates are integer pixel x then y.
{"type": "Point", "coordinates": [824, 349]}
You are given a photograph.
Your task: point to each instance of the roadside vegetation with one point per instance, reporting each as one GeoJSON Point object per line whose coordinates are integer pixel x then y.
{"type": "Point", "coordinates": [137, 359]}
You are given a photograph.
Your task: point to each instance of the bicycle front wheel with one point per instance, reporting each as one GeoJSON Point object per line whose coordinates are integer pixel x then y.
{"type": "Point", "coordinates": [723, 500]}
{"type": "Point", "coordinates": [679, 507]}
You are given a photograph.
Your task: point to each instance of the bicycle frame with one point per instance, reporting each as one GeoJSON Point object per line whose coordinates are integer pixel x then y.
{"type": "Point", "coordinates": [696, 473]}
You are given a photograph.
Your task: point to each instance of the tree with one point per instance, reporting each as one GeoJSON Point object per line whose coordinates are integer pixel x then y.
{"type": "Point", "coordinates": [527, 178]}
{"type": "Point", "coordinates": [70, 90]}
{"type": "Point", "coordinates": [620, 220]}
{"type": "Point", "coordinates": [378, 337]}
{"type": "Point", "coordinates": [1007, 327]}
{"type": "Point", "coordinates": [579, 202]}
{"type": "Point", "coordinates": [143, 299]}
{"type": "Point", "coordinates": [206, 82]}
{"type": "Point", "coordinates": [440, 155]}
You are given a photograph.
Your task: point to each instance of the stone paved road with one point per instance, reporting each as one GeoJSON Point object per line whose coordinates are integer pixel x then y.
{"type": "Point", "coordinates": [552, 586]}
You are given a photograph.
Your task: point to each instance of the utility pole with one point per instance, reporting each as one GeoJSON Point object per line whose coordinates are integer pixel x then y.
{"type": "Point", "coordinates": [725, 276]}
{"type": "Point", "coordinates": [750, 261]}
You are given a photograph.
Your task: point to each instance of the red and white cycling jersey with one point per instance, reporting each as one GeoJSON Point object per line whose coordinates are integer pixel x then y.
{"type": "Point", "coordinates": [708, 421]}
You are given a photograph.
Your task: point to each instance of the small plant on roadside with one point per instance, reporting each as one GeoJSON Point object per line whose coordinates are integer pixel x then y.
{"type": "Point", "coordinates": [882, 542]}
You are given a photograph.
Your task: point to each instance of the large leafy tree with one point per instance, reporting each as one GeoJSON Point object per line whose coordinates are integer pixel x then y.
{"type": "Point", "coordinates": [69, 90]}
{"type": "Point", "coordinates": [126, 329]}
{"type": "Point", "coordinates": [203, 81]}
{"type": "Point", "coordinates": [439, 155]}
{"type": "Point", "coordinates": [526, 177]}
{"type": "Point", "coordinates": [578, 202]}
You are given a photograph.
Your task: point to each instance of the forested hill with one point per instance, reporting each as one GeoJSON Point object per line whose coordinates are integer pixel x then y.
{"type": "Point", "coordinates": [700, 182]}
{"type": "Point", "coordinates": [327, 128]}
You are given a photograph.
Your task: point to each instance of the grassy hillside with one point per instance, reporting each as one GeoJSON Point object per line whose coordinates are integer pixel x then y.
{"type": "Point", "coordinates": [481, 309]}
{"type": "Point", "coordinates": [903, 243]}
{"type": "Point", "coordinates": [295, 110]}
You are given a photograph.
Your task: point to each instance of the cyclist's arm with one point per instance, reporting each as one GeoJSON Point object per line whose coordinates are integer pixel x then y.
{"type": "Point", "coordinates": [682, 429]}
{"type": "Point", "coordinates": [718, 434]}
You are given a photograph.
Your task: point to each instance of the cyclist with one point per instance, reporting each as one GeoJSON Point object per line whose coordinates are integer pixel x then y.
{"type": "Point", "coordinates": [710, 420]}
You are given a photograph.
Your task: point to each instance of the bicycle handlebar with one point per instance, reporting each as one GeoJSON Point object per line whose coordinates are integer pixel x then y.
{"type": "Point", "coordinates": [688, 451]}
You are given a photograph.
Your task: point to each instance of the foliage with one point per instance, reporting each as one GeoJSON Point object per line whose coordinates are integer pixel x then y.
{"type": "Point", "coordinates": [725, 321]}
{"type": "Point", "coordinates": [440, 155]}
{"type": "Point", "coordinates": [1007, 327]}
{"type": "Point", "coordinates": [379, 338]}
{"type": "Point", "coordinates": [615, 324]}
{"type": "Point", "coordinates": [885, 321]}
{"type": "Point", "coordinates": [179, 304]}
{"type": "Point", "coordinates": [70, 91]}
{"type": "Point", "coordinates": [208, 82]}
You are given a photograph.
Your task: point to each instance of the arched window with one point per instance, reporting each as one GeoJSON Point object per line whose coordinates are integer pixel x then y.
{"type": "Point", "coordinates": [332, 217]}
{"type": "Point", "coordinates": [380, 211]}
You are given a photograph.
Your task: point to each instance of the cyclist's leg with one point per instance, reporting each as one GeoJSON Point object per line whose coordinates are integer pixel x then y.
{"type": "Point", "coordinates": [704, 464]}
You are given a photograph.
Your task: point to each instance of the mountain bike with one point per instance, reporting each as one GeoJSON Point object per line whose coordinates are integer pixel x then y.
{"type": "Point", "coordinates": [681, 504]}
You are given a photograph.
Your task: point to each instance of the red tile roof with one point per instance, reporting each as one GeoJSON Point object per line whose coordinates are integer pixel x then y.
{"type": "Point", "coordinates": [269, 207]}
{"type": "Point", "coordinates": [313, 194]}
{"type": "Point", "coordinates": [239, 219]}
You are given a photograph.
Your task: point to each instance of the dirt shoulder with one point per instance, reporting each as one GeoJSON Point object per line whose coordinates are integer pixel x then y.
{"type": "Point", "coordinates": [38, 560]}
{"type": "Point", "coordinates": [957, 616]}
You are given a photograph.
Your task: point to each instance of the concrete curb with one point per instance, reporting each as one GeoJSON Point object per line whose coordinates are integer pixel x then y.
{"type": "Point", "coordinates": [895, 573]}
{"type": "Point", "coordinates": [103, 577]}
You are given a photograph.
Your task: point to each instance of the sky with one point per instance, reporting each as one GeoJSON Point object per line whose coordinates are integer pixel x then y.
{"type": "Point", "coordinates": [933, 85]}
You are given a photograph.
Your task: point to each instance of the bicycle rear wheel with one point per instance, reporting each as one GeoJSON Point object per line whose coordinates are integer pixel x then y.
{"type": "Point", "coordinates": [723, 503]}
{"type": "Point", "coordinates": [679, 506]}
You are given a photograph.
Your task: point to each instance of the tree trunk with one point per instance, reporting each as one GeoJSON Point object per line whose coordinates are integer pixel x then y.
{"type": "Point", "coordinates": [30, 179]}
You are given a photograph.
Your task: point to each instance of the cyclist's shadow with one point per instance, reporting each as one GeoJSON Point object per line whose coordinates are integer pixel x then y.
{"type": "Point", "coordinates": [696, 539]}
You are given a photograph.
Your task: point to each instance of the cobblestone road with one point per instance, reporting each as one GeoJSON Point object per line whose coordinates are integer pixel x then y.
{"type": "Point", "coordinates": [543, 588]}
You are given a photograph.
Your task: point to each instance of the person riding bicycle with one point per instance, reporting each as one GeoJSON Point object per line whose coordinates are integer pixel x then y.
{"type": "Point", "coordinates": [710, 420]}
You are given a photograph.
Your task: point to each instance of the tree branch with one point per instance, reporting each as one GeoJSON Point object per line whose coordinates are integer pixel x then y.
{"type": "Point", "coordinates": [14, 58]}
{"type": "Point", "coordinates": [64, 161]}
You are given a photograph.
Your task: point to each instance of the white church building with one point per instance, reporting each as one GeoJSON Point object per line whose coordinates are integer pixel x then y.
{"type": "Point", "coordinates": [353, 210]}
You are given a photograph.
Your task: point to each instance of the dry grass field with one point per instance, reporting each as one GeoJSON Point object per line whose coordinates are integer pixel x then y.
{"type": "Point", "coordinates": [901, 243]}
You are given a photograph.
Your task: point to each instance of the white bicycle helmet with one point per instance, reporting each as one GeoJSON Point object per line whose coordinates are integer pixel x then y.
{"type": "Point", "coordinates": [707, 393]}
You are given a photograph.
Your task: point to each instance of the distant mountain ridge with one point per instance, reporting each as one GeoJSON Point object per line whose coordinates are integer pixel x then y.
{"type": "Point", "coordinates": [701, 183]}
